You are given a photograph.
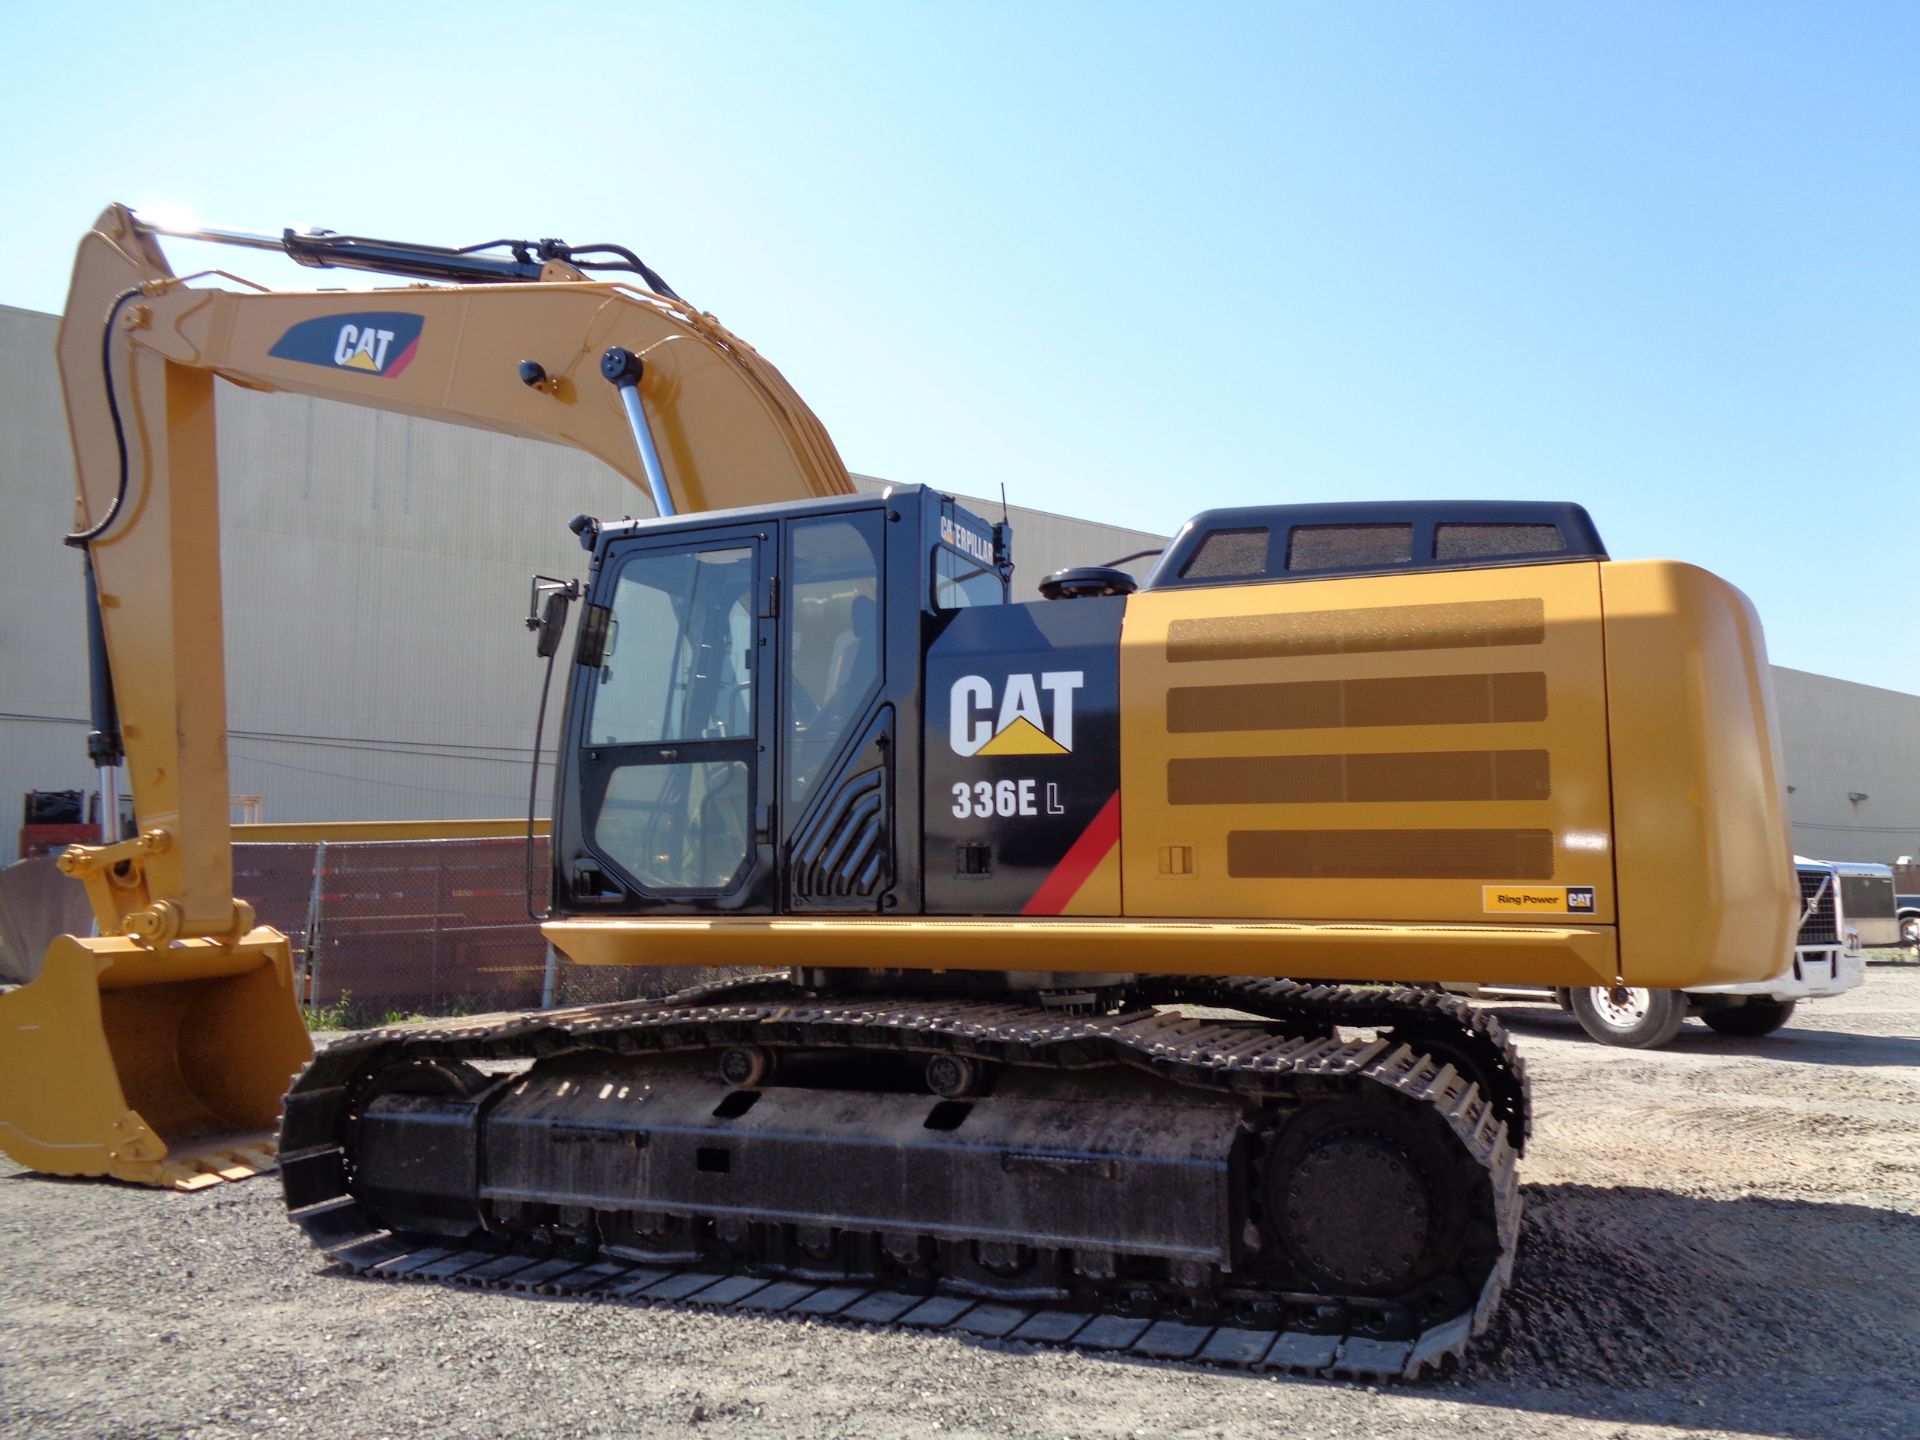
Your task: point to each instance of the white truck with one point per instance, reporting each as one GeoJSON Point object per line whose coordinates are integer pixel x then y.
{"type": "Point", "coordinates": [1844, 908]}
{"type": "Point", "coordinates": [1906, 884]}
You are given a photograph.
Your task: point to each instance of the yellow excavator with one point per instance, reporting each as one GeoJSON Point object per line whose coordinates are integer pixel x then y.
{"type": "Point", "coordinates": [986, 857]}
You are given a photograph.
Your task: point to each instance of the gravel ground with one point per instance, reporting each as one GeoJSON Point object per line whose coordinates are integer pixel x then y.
{"type": "Point", "coordinates": [1722, 1238]}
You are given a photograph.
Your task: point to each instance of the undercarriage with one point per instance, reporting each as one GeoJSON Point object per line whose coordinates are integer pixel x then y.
{"type": "Point", "coordinates": [1321, 1180]}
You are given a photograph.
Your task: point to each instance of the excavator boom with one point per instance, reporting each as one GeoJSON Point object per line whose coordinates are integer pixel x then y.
{"type": "Point", "coordinates": [175, 1030]}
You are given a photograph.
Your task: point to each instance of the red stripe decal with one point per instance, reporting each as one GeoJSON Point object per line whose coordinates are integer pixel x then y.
{"type": "Point", "coordinates": [403, 359]}
{"type": "Point", "coordinates": [1083, 857]}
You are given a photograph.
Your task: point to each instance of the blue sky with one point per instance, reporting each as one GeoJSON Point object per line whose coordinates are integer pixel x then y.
{"type": "Point", "coordinates": [1135, 260]}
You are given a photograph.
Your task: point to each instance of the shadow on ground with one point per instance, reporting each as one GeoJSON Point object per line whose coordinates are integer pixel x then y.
{"type": "Point", "coordinates": [1893, 959]}
{"type": "Point", "coordinates": [1802, 1047]}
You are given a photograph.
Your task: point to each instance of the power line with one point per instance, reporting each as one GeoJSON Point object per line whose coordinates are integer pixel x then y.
{"type": "Point", "coordinates": [411, 749]}
{"type": "Point", "coordinates": [383, 784]}
{"type": "Point", "coordinates": [509, 755]}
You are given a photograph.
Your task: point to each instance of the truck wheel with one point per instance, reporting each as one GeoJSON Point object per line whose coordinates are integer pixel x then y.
{"type": "Point", "coordinates": [1756, 1017]}
{"type": "Point", "coordinates": [1910, 931]}
{"type": "Point", "coordinates": [1639, 1018]}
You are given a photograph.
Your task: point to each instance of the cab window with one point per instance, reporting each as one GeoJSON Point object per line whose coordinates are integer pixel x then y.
{"type": "Point", "coordinates": [960, 581]}
{"type": "Point", "coordinates": [672, 711]}
{"type": "Point", "coordinates": [833, 641]}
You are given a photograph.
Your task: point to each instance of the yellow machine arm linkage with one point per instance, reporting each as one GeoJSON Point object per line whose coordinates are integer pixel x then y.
{"type": "Point", "coordinates": [158, 1051]}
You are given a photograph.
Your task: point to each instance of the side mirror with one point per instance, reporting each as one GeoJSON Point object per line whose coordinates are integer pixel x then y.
{"type": "Point", "coordinates": [553, 620]}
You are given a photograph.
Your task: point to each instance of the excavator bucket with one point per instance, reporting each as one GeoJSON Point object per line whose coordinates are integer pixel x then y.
{"type": "Point", "coordinates": [158, 1065]}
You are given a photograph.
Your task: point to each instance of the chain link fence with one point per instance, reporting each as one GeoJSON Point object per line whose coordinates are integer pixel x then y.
{"type": "Point", "coordinates": [435, 927]}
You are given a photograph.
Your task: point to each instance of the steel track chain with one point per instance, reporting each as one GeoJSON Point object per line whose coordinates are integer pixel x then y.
{"type": "Point", "coordinates": [1426, 1019]}
{"type": "Point", "coordinates": [1188, 1050]}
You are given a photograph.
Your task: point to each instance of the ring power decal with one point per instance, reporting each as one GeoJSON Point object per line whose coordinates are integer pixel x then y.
{"type": "Point", "coordinates": [377, 342]}
{"type": "Point", "coordinates": [1537, 899]}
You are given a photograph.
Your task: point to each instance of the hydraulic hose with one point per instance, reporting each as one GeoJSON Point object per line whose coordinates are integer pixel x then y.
{"type": "Point", "coordinates": [86, 537]}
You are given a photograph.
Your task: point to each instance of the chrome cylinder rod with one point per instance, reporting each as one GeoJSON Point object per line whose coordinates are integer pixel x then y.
{"type": "Point", "coordinates": [109, 804]}
{"type": "Point", "coordinates": [623, 368]}
{"type": "Point", "coordinates": [151, 225]}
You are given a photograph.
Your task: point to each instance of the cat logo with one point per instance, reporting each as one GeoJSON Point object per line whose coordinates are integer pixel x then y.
{"type": "Point", "coordinates": [379, 342]}
{"type": "Point", "coordinates": [1017, 724]}
{"type": "Point", "coordinates": [362, 349]}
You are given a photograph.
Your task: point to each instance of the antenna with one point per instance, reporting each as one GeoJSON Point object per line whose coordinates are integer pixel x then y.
{"type": "Point", "coordinates": [1003, 537]}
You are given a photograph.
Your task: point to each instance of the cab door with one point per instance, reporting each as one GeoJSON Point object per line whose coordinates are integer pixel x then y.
{"type": "Point", "coordinates": [675, 784]}
{"type": "Point", "coordinates": [837, 727]}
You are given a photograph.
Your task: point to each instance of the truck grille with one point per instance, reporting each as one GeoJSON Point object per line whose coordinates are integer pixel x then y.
{"type": "Point", "coordinates": [1867, 897]}
{"type": "Point", "coordinates": [1819, 927]}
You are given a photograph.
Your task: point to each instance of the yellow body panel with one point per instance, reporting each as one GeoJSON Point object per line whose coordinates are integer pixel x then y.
{"type": "Point", "coordinates": [1537, 746]}
{"type": "Point", "coordinates": [1702, 845]}
{"type": "Point", "coordinates": [1099, 893]}
{"type": "Point", "coordinates": [1544, 954]}
{"type": "Point", "coordinates": [1379, 748]}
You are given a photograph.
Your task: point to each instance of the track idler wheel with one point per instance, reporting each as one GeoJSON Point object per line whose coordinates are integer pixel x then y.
{"type": "Point", "coordinates": [953, 1076]}
{"type": "Point", "coordinates": [437, 1079]}
{"type": "Point", "coordinates": [1361, 1198]}
{"type": "Point", "coordinates": [745, 1066]}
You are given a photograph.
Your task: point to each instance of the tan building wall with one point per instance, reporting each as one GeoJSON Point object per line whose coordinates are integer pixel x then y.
{"type": "Point", "coordinates": [1843, 740]}
{"type": "Point", "coordinates": [43, 680]}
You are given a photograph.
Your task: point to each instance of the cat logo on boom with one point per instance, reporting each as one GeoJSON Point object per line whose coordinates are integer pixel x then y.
{"type": "Point", "coordinates": [1014, 722]}
{"type": "Point", "coordinates": [381, 342]}
{"type": "Point", "coordinates": [362, 349]}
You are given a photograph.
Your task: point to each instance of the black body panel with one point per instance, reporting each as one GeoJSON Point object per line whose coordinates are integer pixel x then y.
{"type": "Point", "coordinates": [1006, 800]}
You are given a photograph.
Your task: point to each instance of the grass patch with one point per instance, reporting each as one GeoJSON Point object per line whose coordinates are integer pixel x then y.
{"type": "Point", "coordinates": [345, 1014]}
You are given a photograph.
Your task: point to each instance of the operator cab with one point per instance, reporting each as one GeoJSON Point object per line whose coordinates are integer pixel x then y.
{"type": "Point", "coordinates": [743, 686]}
